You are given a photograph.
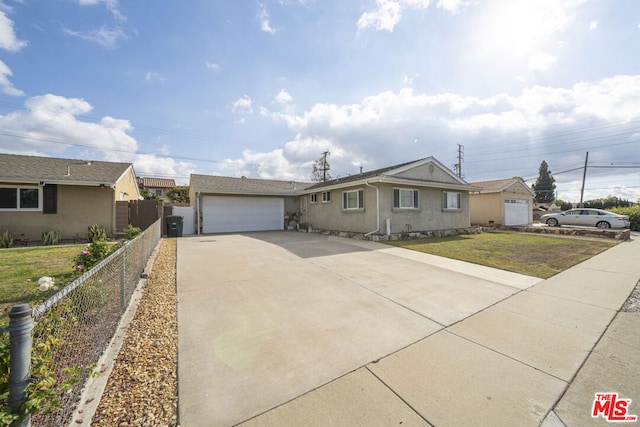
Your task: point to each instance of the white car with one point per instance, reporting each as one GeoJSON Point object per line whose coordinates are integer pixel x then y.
{"type": "Point", "coordinates": [586, 217]}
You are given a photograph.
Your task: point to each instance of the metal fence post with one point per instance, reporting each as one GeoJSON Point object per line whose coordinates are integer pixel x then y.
{"type": "Point", "coordinates": [123, 282]}
{"type": "Point", "coordinates": [20, 326]}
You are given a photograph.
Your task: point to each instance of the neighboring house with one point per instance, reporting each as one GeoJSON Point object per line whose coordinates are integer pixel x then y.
{"type": "Point", "coordinates": [229, 204]}
{"type": "Point", "coordinates": [502, 202]}
{"type": "Point", "coordinates": [422, 195]}
{"type": "Point", "coordinates": [67, 195]}
{"type": "Point", "coordinates": [157, 186]}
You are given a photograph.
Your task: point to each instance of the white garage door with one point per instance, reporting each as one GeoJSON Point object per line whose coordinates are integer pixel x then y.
{"type": "Point", "coordinates": [516, 212]}
{"type": "Point", "coordinates": [221, 214]}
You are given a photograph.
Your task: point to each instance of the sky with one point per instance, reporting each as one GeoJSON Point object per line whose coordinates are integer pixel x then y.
{"type": "Point", "coordinates": [263, 88]}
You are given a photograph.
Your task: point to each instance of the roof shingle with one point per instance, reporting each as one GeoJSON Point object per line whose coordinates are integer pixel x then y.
{"type": "Point", "coordinates": [20, 168]}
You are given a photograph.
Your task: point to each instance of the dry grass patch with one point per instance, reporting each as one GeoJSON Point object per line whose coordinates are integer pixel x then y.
{"type": "Point", "coordinates": [533, 255]}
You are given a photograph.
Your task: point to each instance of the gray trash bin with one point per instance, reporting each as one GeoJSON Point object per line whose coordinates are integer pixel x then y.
{"type": "Point", "coordinates": [174, 226]}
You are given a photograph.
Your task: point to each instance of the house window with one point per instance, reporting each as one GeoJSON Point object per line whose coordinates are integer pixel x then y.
{"type": "Point", "coordinates": [156, 191]}
{"type": "Point", "coordinates": [353, 199]}
{"type": "Point", "coordinates": [314, 198]}
{"type": "Point", "coordinates": [405, 199]}
{"type": "Point", "coordinates": [326, 197]}
{"type": "Point", "coordinates": [451, 201]}
{"type": "Point", "coordinates": [20, 198]}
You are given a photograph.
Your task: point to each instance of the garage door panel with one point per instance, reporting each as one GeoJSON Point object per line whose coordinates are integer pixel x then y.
{"type": "Point", "coordinates": [516, 212]}
{"type": "Point", "coordinates": [237, 214]}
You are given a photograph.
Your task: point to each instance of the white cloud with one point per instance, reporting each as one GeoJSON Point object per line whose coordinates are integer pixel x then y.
{"type": "Point", "coordinates": [388, 13]}
{"type": "Point", "coordinates": [593, 25]}
{"type": "Point", "coordinates": [283, 97]}
{"type": "Point", "coordinates": [264, 18]}
{"type": "Point", "coordinates": [212, 66]}
{"type": "Point", "coordinates": [453, 6]}
{"type": "Point", "coordinates": [53, 125]}
{"type": "Point", "coordinates": [243, 105]}
{"type": "Point", "coordinates": [540, 61]}
{"type": "Point", "coordinates": [106, 36]}
{"type": "Point", "coordinates": [153, 77]}
{"type": "Point", "coordinates": [504, 135]}
{"type": "Point", "coordinates": [5, 85]}
{"type": "Point", "coordinates": [385, 17]}
{"type": "Point", "coordinates": [8, 38]}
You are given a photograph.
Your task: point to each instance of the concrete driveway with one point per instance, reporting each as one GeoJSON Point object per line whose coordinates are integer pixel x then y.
{"type": "Point", "coordinates": [268, 317]}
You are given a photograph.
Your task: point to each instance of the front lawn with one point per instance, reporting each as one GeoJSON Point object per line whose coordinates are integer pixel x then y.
{"type": "Point", "coordinates": [538, 256]}
{"type": "Point", "coordinates": [20, 269]}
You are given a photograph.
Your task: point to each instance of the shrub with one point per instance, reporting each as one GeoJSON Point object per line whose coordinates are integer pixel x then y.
{"type": "Point", "coordinates": [50, 238]}
{"type": "Point", "coordinates": [6, 241]}
{"type": "Point", "coordinates": [96, 233]}
{"type": "Point", "coordinates": [95, 252]}
{"type": "Point", "coordinates": [133, 232]}
{"type": "Point", "coordinates": [633, 212]}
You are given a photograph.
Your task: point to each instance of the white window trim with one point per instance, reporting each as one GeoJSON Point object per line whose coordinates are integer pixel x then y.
{"type": "Point", "coordinates": [24, 187]}
{"type": "Point", "coordinates": [414, 191]}
{"type": "Point", "coordinates": [324, 198]}
{"type": "Point", "coordinates": [313, 198]}
{"type": "Point", "coordinates": [360, 201]}
{"type": "Point", "coordinates": [445, 199]}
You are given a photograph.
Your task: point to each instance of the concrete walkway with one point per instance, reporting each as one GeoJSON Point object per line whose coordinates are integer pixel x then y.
{"type": "Point", "coordinates": [287, 329]}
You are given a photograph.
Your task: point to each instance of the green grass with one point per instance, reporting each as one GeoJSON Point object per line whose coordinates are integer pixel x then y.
{"type": "Point", "coordinates": [20, 269]}
{"type": "Point", "coordinates": [538, 256]}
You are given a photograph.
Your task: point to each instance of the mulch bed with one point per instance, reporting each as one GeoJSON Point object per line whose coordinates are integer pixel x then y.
{"type": "Point", "coordinates": [142, 389]}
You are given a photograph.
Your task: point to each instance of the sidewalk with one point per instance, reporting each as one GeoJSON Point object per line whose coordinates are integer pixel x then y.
{"type": "Point", "coordinates": [535, 358]}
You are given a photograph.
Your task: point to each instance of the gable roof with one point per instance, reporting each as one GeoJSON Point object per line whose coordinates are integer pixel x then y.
{"type": "Point", "coordinates": [26, 169]}
{"type": "Point", "coordinates": [390, 174]}
{"type": "Point", "coordinates": [157, 182]}
{"type": "Point", "coordinates": [246, 186]}
{"type": "Point", "coordinates": [500, 185]}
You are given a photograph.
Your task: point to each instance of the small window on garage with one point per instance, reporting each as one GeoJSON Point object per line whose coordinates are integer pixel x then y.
{"type": "Point", "coordinates": [451, 200]}
{"type": "Point", "coordinates": [353, 199]}
{"type": "Point", "coordinates": [326, 197]}
{"type": "Point", "coordinates": [313, 198]}
{"type": "Point", "coordinates": [405, 198]}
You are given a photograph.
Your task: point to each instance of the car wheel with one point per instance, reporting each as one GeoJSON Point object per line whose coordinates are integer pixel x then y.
{"type": "Point", "coordinates": [603, 224]}
{"type": "Point", "coordinates": [552, 222]}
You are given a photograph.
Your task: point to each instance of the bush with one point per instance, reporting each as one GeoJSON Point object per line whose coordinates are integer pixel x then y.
{"type": "Point", "coordinates": [633, 213]}
{"type": "Point", "coordinates": [133, 232]}
{"type": "Point", "coordinates": [96, 233]}
{"type": "Point", "coordinates": [6, 241]}
{"type": "Point", "coordinates": [50, 238]}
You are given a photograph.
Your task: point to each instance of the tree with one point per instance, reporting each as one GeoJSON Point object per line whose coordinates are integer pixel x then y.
{"type": "Point", "coordinates": [545, 185]}
{"type": "Point", "coordinates": [179, 194]}
{"type": "Point", "coordinates": [320, 172]}
{"type": "Point", "coordinates": [148, 195]}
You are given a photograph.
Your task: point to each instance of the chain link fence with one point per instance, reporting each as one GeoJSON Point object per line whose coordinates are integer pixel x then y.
{"type": "Point", "coordinates": [76, 324]}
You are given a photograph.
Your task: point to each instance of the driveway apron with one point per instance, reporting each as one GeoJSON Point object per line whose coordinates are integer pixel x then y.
{"type": "Point", "coordinates": [267, 317]}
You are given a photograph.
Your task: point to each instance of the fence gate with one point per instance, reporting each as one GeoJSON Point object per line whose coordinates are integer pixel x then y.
{"type": "Point", "coordinates": [138, 213]}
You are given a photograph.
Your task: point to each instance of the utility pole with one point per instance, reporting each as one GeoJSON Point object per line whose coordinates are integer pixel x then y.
{"type": "Point", "coordinates": [324, 166]}
{"type": "Point", "coordinates": [458, 166]}
{"type": "Point", "coordinates": [584, 178]}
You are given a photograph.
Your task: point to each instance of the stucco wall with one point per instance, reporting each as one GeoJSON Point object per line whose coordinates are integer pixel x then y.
{"type": "Point", "coordinates": [487, 209]}
{"type": "Point", "coordinates": [127, 187]}
{"type": "Point", "coordinates": [428, 171]}
{"type": "Point", "coordinates": [429, 216]}
{"type": "Point", "coordinates": [331, 216]}
{"type": "Point", "coordinates": [77, 208]}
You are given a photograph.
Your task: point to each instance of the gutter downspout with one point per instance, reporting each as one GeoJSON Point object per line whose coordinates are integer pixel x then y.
{"type": "Point", "coordinates": [198, 212]}
{"type": "Point", "coordinates": [377, 209]}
